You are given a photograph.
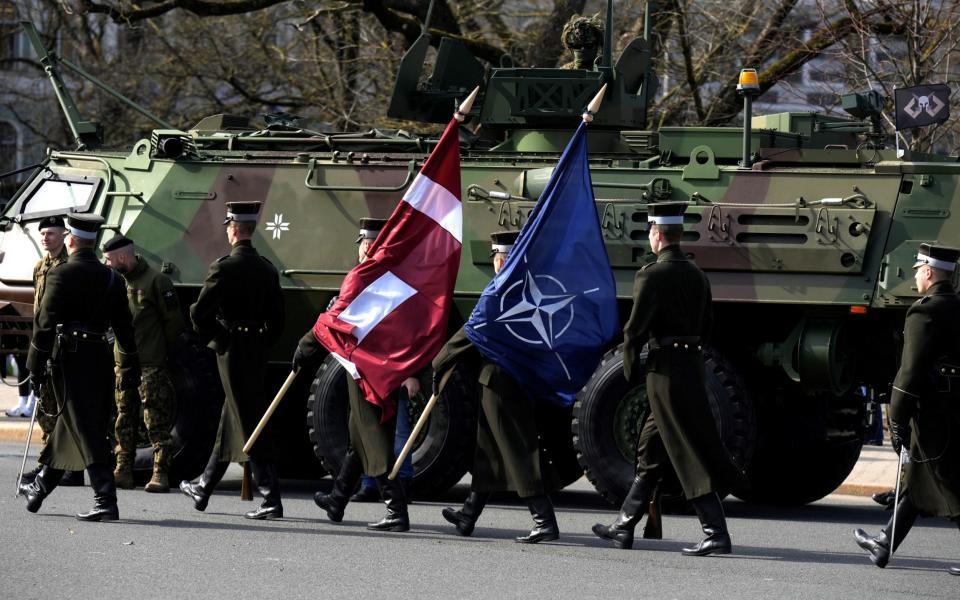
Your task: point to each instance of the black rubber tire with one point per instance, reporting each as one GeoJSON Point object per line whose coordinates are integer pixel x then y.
{"type": "Point", "coordinates": [600, 419]}
{"type": "Point", "coordinates": [443, 451]}
{"type": "Point", "coordinates": [199, 394]}
{"type": "Point", "coordinates": [808, 445]}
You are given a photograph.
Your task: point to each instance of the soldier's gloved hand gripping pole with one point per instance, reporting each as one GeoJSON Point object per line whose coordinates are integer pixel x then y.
{"type": "Point", "coordinates": [421, 422]}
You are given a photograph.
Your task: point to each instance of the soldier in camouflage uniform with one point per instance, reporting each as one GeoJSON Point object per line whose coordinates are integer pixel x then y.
{"type": "Point", "coordinates": [52, 235]}
{"type": "Point", "coordinates": [157, 323]}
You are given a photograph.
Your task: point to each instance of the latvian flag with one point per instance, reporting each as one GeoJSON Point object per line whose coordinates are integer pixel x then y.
{"type": "Point", "coordinates": [391, 317]}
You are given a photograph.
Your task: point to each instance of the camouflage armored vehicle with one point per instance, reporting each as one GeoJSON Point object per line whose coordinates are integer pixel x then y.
{"type": "Point", "coordinates": [808, 242]}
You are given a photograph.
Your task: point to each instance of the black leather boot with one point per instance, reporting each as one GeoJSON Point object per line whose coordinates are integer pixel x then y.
{"type": "Point", "coordinates": [879, 547]}
{"type": "Point", "coordinates": [29, 476]}
{"type": "Point", "coordinates": [396, 518]}
{"type": "Point", "coordinates": [201, 490]}
{"type": "Point", "coordinates": [268, 483]}
{"type": "Point", "coordinates": [104, 495]}
{"type": "Point", "coordinates": [45, 481]}
{"type": "Point", "coordinates": [336, 501]}
{"type": "Point", "coordinates": [631, 511]}
{"type": "Point", "coordinates": [72, 478]}
{"type": "Point", "coordinates": [954, 570]}
{"type": "Point", "coordinates": [465, 519]}
{"type": "Point", "coordinates": [714, 525]}
{"type": "Point", "coordinates": [545, 527]}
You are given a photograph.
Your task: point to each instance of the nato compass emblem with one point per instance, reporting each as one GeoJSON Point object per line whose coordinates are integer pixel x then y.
{"type": "Point", "coordinates": [537, 310]}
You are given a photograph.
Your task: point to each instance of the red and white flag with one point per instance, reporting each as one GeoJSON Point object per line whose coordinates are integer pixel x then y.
{"type": "Point", "coordinates": [391, 317]}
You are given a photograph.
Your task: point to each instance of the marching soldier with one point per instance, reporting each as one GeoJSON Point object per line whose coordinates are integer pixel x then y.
{"type": "Point", "coordinates": [672, 311]}
{"type": "Point", "coordinates": [157, 323]}
{"type": "Point", "coordinates": [240, 313]}
{"type": "Point", "coordinates": [508, 455]}
{"type": "Point", "coordinates": [53, 233]}
{"type": "Point", "coordinates": [924, 406]}
{"type": "Point", "coordinates": [82, 300]}
{"type": "Point", "coordinates": [371, 448]}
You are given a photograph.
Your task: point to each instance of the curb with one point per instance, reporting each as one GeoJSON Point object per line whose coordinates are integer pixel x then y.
{"type": "Point", "coordinates": [860, 489]}
{"type": "Point", "coordinates": [13, 431]}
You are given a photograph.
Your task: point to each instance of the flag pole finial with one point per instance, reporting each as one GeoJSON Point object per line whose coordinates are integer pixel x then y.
{"type": "Point", "coordinates": [594, 105]}
{"type": "Point", "coordinates": [461, 113]}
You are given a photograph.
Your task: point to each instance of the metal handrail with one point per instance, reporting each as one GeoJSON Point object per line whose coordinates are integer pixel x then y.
{"type": "Point", "coordinates": [411, 173]}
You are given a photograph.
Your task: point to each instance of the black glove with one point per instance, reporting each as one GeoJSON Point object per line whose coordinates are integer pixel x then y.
{"type": "Point", "coordinates": [900, 436]}
{"type": "Point", "coordinates": [299, 360]}
{"type": "Point", "coordinates": [435, 387]}
{"type": "Point", "coordinates": [38, 379]}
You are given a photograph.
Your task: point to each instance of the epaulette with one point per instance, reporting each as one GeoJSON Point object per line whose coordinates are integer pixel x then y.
{"type": "Point", "coordinates": [648, 265]}
{"type": "Point", "coordinates": [266, 259]}
{"type": "Point", "coordinates": [924, 299]}
{"type": "Point", "coordinates": [223, 258]}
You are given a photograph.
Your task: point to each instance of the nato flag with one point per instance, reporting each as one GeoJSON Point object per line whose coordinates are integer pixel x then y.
{"type": "Point", "coordinates": [547, 317]}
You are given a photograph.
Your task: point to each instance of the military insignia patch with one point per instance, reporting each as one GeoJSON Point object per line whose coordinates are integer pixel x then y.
{"type": "Point", "coordinates": [170, 299]}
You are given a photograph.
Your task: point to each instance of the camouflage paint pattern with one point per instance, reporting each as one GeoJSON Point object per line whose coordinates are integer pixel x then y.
{"type": "Point", "coordinates": [157, 398]}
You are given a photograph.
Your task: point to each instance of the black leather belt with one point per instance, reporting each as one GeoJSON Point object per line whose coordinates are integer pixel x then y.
{"type": "Point", "coordinates": [680, 342]}
{"type": "Point", "coordinates": [248, 328]}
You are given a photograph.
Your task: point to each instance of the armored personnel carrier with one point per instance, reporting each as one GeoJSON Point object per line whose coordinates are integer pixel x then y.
{"type": "Point", "coordinates": [805, 224]}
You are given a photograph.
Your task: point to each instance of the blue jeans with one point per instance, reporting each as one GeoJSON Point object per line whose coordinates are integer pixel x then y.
{"type": "Point", "coordinates": [400, 438]}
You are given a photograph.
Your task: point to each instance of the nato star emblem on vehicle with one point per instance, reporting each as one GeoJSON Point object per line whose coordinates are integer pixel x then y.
{"type": "Point", "coordinates": [278, 226]}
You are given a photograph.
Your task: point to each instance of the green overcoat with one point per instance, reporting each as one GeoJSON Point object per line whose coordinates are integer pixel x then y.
{"type": "Point", "coordinates": [87, 299]}
{"type": "Point", "coordinates": [671, 299]}
{"type": "Point", "coordinates": [239, 312]}
{"type": "Point", "coordinates": [509, 454]}
{"type": "Point", "coordinates": [926, 395]}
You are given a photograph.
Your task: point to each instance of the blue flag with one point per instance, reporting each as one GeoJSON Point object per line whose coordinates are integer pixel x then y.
{"type": "Point", "coordinates": [549, 313]}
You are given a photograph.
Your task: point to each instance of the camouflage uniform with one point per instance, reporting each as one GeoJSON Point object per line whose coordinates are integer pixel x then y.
{"type": "Point", "coordinates": [47, 404]}
{"type": "Point", "coordinates": [157, 323]}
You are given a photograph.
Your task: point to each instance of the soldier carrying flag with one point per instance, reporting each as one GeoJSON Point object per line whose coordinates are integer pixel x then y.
{"type": "Point", "coordinates": [537, 333]}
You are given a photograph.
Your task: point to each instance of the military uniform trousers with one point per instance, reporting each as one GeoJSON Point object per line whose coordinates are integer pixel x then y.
{"type": "Point", "coordinates": [372, 440]}
{"type": "Point", "coordinates": [508, 455]}
{"type": "Point", "coordinates": [158, 398]}
{"type": "Point", "coordinates": [681, 429]}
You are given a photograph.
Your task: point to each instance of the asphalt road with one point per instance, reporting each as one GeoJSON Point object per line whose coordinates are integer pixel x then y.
{"type": "Point", "coordinates": [162, 547]}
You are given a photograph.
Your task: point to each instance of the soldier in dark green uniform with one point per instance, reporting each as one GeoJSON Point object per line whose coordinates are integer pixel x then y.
{"type": "Point", "coordinates": [83, 299]}
{"type": "Point", "coordinates": [508, 455]}
{"type": "Point", "coordinates": [53, 232]}
{"type": "Point", "coordinates": [672, 311]}
{"type": "Point", "coordinates": [157, 322]}
{"type": "Point", "coordinates": [925, 405]}
{"type": "Point", "coordinates": [240, 313]}
{"type": "Point", "coordinates": [371, 448]}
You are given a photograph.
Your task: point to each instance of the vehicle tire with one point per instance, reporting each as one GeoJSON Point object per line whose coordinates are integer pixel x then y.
{"type": "Point", "coordinates": [808, 445]}
{"type": "Point", "coordinates": [199, 400]}
{"type": "Point", "coordinates": [609, 411]}
{"type": "Point", "coordinates": [442, 452]}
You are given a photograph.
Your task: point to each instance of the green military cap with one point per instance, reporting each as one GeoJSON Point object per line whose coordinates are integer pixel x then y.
{"type": "Point", "coordinates": [116, 243]}
{"type": "Point", "coordinates": [666, 213]}
{"type": "Point", "coordinates": [243, 211]}
{"type": "Point", "coordinates": [51, 221]}
{"type": "Point", "coordinates": [370, 228]}
{"type": "Point", "coordinates": [503, 241]}
{"type": "Point", "coordinates": [84, 225]}
{"type": "Point", "coordinates": [938, 257]}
